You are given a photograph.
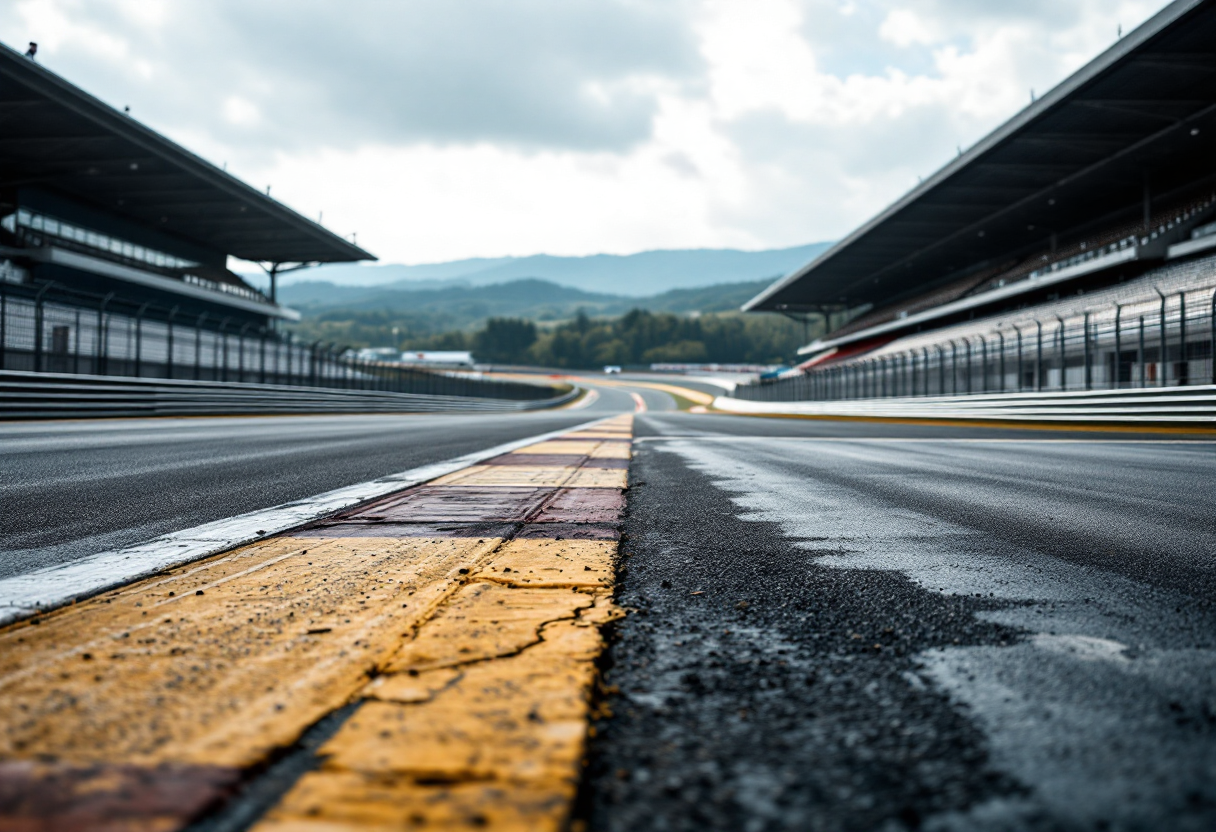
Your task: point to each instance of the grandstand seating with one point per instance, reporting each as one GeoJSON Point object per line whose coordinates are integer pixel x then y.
{"type": "Point", "coordinates": [1179, 216]}
{"type": "Point", "coordinates": [1155, 330]}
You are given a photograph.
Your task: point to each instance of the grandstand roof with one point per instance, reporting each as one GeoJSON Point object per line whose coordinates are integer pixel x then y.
{"type": "Point", "coordinates": [1141, 116]}
{"type": "Point", "coordinates": [55, 135]}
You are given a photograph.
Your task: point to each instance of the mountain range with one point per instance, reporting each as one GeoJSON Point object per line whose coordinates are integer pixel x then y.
{"type": "Point", "coordinates": [634, 275]}
{"type": "Point", "coordinates": [457, 305]}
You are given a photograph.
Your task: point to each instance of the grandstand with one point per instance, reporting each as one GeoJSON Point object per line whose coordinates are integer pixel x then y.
{"type": "Point", "coordinates": [1072, 248]}
{"type": "Point", "coordinates": [114, 244]}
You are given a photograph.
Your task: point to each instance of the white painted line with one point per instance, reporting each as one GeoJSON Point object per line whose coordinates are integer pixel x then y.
{"type": "Point", "coordinates": [587, 400]}
{"type": "Point", "coordinates": [725, 384]}
{"type": "Point", "coordinates": [53, 586]}
{"type": "Point", "coordinates": [705, 437]}
{"type": "Point", "coordinates": [1171, 405]}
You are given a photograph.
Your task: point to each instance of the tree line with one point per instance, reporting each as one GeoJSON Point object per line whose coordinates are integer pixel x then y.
{"type": "Point", "coordinates": [637, 337]}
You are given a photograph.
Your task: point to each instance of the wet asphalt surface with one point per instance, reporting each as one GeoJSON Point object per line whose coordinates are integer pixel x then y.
{"type": "Point", "coordinates": [899, 628]}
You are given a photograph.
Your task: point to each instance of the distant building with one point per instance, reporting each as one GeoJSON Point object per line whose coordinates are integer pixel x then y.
{"type": "Point", "coordinates": [387, 354]}
{"type": "Point", "coordinates": [436, 358]}
{"type": "Point", "coordinates": [439, 358]}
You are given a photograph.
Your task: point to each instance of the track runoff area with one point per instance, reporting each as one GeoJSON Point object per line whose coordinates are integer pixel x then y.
{"type": "Point", "coordinates": [780, 624]}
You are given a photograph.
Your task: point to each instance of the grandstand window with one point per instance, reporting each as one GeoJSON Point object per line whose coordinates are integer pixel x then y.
{"type": "Point", "coordinates": [54, 228]}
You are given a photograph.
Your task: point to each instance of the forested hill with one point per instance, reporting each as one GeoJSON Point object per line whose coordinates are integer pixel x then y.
{"type": "Point", "coordinates": [460, 306]}
{"type": "Point", "coordinates": [635, 275]}
{"type": "Point", "coordinates": [533, 321]}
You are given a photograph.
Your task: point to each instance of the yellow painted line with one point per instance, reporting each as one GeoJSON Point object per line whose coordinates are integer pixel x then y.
{"type": "Point", "coordinates": [611, 450]}
{"type": "Point", "coordinates": [599, 434]}
{"type": "Point", "coordinates": [560, 447]}
{"type": "Point", "coordinates": [480, 721]}
{"type": "Point", "coordinates": [157, 672]}
{"type": "Point", "coordinates": [472, 660]}
{"type": "Point", "coordinates": [487, 620]}
{"type": "Point", "coordinates": [597, 478]}
{"type": "Point", "coordinates": [516, 475]}
{"type": "Point", "coordinates": [521, 476]}
{"type": "Point", "coordinates": [569, 564]}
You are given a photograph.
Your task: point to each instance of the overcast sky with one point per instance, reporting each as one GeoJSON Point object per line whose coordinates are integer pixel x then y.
{"type": "Point", "coordinates": [443, 129]}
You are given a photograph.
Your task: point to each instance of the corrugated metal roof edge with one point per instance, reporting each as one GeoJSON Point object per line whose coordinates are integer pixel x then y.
{"type": "Point", "coordinates": [1051, 99]}
{"type": "Point", "coordinates": [49, 83]}
{"type": "Point", "coordinates": [975, 301]}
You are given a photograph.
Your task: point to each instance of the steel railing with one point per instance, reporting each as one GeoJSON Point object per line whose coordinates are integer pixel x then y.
{"type": "Point", "coordinates": [1158, 339]}
{"type": "Point", "coordinates": [27, 395]}
{"type": "Point", "coordinates": [47, 328]}
{"type": "Point", "coordinates": [1192, 406]}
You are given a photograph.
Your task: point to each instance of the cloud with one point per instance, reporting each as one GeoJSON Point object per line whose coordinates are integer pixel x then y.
{"type": "Point", "coordinates": [903, 27]}
{"type": "Point", "coordinates": [826, 148]}
{"type": "Point", "coordinates": [241, 112]}
{"type": "Point", "coordinates": [529, 73]}
{"type": "Point", "coordinates": [492, 127]}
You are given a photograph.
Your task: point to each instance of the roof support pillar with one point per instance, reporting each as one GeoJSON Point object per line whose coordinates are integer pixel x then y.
{"type": "Point", "coordinates": [273, 269]}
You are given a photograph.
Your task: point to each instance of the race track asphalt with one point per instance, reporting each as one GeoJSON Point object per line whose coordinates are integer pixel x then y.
{"type": "Point", "coordinates": [76, 487]}
{"type": "Point", "coordinates": [832, 624]}
{"type": "Point", "coordinates": [860, 626]}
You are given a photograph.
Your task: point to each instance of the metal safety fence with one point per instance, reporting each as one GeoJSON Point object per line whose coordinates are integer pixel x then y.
{"type": "Point", "coordinates": [1159, 332]}
{"type": "Point", "coordinates": [26, 395]}
{"type": "Point", "coordinates": [50, 329]}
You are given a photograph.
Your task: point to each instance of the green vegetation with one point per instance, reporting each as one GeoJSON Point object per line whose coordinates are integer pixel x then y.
{"type": "Point", "coordinates": [637, 337]}
{"type": "Point", "coordinates": [504, 341]}
{"type": "Point", "coordinates": [641, 337]}
{"type": "Point", "coordinates": [370, 328]}
{"type": "Point", "coordinates": [365, 314]}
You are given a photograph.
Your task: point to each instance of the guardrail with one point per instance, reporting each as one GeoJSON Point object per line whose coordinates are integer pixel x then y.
{"type": "Point", "coordinates": [1132, 336]}
{"type": "Point", "coordinates": [27, 395]}
{"type": "Point", "coordinates": [1177, 406]}
{"type": "Point", "coordinates": [52, 329]}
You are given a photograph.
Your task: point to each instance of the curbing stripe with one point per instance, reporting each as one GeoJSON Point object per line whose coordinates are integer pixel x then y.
{"type": "Point", "coordinates": [469, 659]}
{"type": "Point", "coordinates": [43, 589]}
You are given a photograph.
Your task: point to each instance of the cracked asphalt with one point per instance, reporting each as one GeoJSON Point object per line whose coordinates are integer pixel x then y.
{"type": "Point", "coordinates": [850, 626]}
